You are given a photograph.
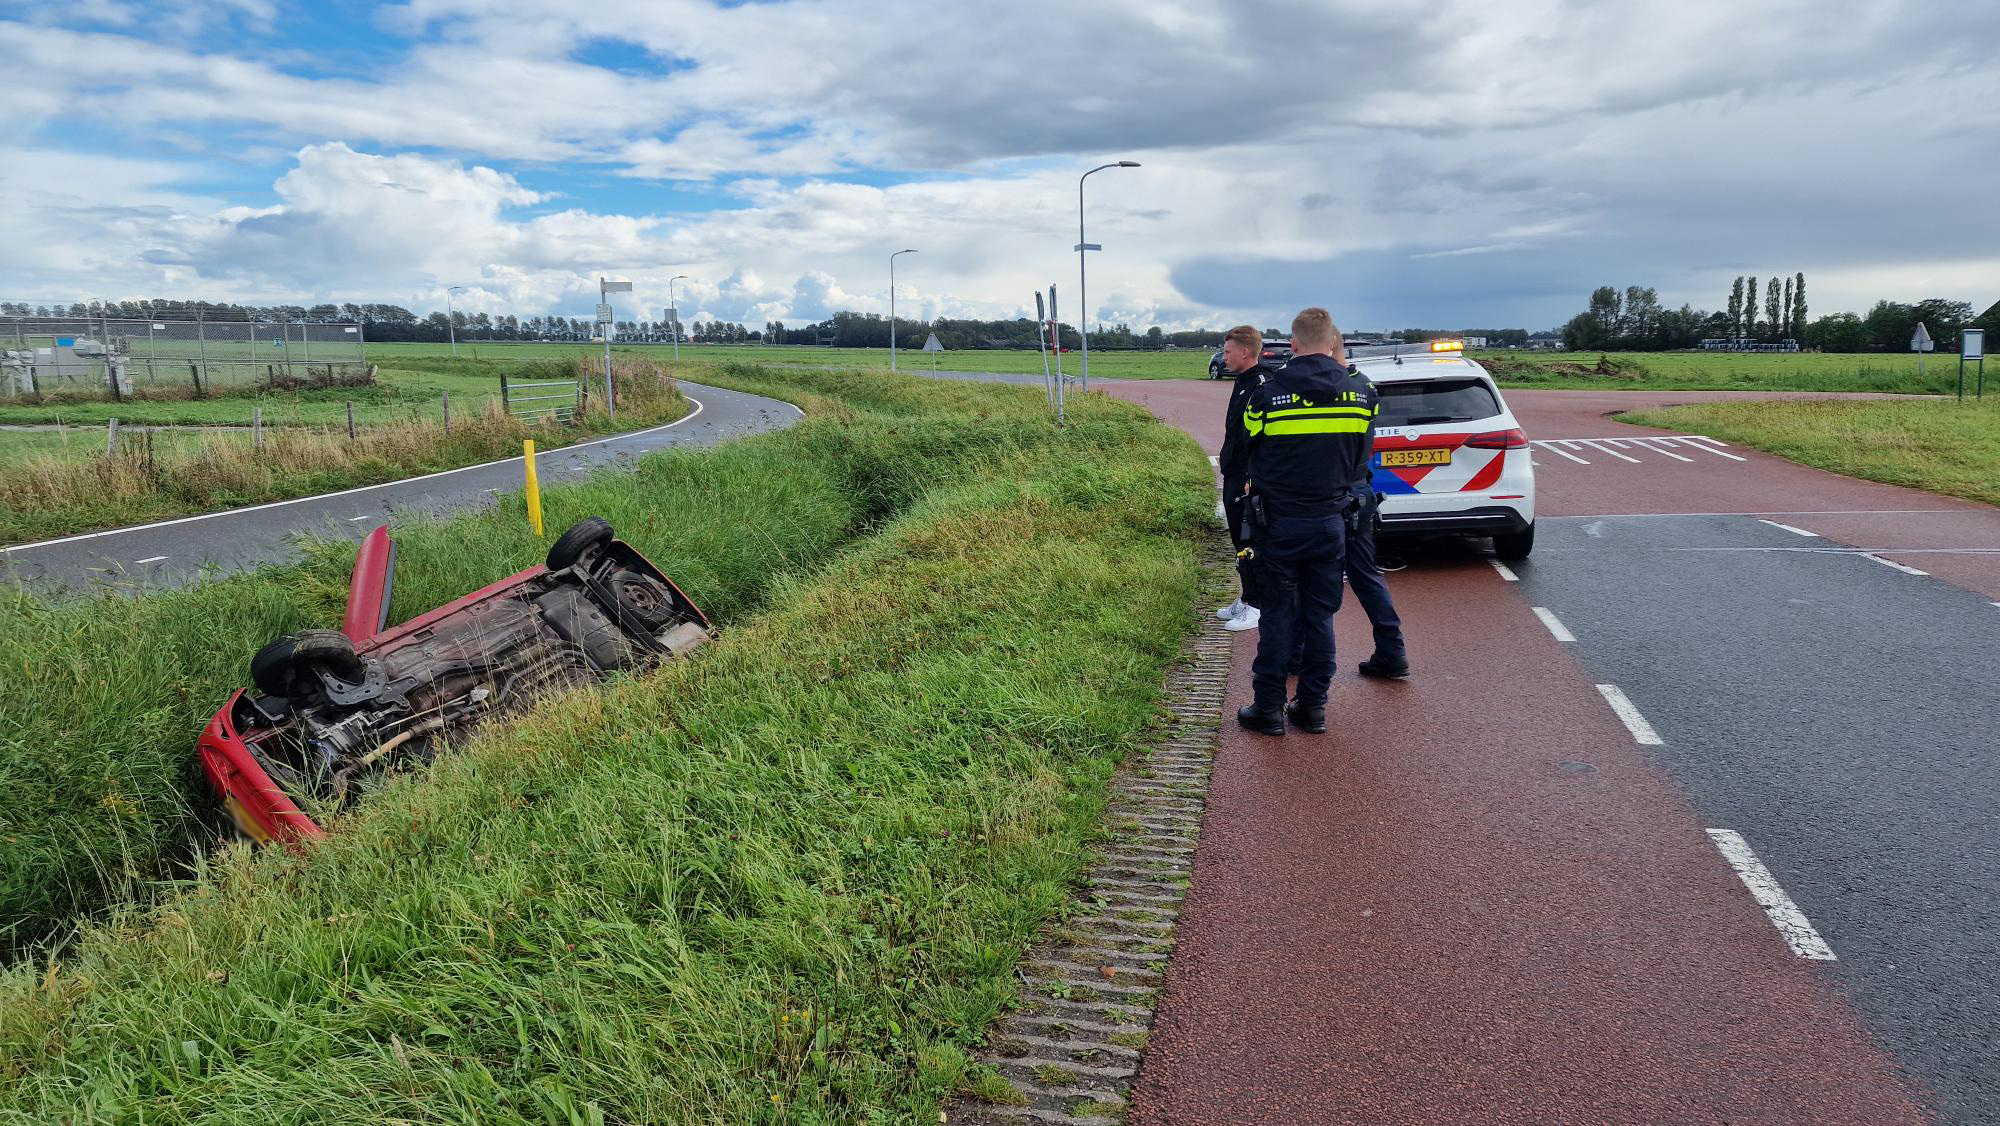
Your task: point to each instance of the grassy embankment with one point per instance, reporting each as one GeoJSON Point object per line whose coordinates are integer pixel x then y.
{"type": "Point", "coordinates": [1636, 371]}
{"type": "Point", "coordinates": [156, 475]}
{"type": "Point", "coordinates": [1942, 446]}
{"type": "Point", "coordinates": [1720, 371]}
{"type": "Point", "coordinates": [784, 881]}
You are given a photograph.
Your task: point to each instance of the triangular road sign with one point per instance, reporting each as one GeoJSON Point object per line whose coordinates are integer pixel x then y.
{"type": "Point", "coordinates": [932, 344]}
{"type": "Point", "coordinates": [1920, 340]}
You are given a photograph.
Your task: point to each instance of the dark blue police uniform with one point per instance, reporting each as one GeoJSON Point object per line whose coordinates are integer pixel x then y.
{"type": "Point", "coordinates": [1307, 432]}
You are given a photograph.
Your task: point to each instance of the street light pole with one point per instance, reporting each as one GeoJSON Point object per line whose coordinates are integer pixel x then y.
{"type": "Point", "coordinates": [450, 328]}
{"type": "Point", "coordinates": [674, 315]}
{"type": "Point", "coordinates": [892, 307]}
{"type": "Point", "coordinates": [1082, 291]}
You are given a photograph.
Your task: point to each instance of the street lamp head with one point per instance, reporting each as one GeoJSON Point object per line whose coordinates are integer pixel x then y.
{"type": "Point", "coordinates": [1128, 164]}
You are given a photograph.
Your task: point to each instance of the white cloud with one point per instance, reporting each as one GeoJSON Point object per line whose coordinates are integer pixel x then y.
{"type": "Point", "coordinates": [1518, 152]}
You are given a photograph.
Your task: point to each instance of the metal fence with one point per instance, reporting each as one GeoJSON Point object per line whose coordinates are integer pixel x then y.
{"type": "Point", "coordinates": [114, 358]}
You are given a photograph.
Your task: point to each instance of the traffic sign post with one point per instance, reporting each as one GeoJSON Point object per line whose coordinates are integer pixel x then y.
{"type": "Point", "coordinates": [604, 321]}
{"type": "Point", "coordinates": [933, 347]}
{"type": "Point", "coordinates": [1972, 346]}
{"type": "Point", "coordinates": [1920, 342]}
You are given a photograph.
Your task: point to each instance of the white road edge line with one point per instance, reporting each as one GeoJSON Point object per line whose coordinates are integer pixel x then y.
{"type": "Point", "coordinates": [1642, 732]}
{"type": "Point", "coordinates": [1659, 446]}
{"type": "Point", "coordinates": [1891, 563]}
{"type": "Point", "coordinates": [1703, 445]}
{"type": "Point", "coordinates": [1506, 572]}
{"type": "Point", "coordinates": [357, 519]}
{"type": "Point", "coordinates": [1791, 922]}
{"type": "Point", "coordinates": [1554, 449]}
{"type": "Point", "coordinates": [148, 559]}
{"type": "Point", "coordinates": [1789, 528]}
{"type": "Point", "coordinates": [1612, 452]}
{"type": "Point", "coordinates": [1555, 625]}
{"type": "Point", "coordinates": [698, 408]}
{"type": "Point", "coordinates": [1215, 460]}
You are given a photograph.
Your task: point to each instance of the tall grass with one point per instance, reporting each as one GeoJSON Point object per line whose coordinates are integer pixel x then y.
{"type": "Point", "coordinates": [57, 494]}
{"type": "Point", "coordinates": [1943, 446]}
{"type": "Point", "coordinates": [784, 881]}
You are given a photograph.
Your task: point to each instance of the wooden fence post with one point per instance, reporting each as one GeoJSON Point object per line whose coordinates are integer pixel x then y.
{"type": "Point", "coordinates": [447, 410]}
{"type": "Point", "coordinates": [350, 420]}
{"type": "Point", "coordinates": [256, 428]}
{"type": "Point", "coordinates": [111, 438]}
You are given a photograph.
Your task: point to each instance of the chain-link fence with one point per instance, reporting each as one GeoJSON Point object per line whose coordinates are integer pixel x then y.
{"type": "Point", "coordinates": [110, 358]}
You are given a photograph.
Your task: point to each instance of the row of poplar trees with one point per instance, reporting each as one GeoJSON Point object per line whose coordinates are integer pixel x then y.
{"type": "Point", "coordinates": [1784, 309]}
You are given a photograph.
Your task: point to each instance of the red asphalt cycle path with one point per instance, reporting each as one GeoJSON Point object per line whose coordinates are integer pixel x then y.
{"type": "Point", "coordinates": [1494, 908]}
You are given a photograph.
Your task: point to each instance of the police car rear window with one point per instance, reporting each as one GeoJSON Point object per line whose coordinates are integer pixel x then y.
{"type": "Point", "coordinates": [1421, 402]}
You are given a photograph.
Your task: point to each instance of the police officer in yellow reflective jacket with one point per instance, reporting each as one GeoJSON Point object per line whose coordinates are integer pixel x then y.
{"type": "Point", "coordinates": [1307, 428]}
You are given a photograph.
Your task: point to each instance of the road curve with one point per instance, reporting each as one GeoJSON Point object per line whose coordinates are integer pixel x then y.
{"type": "Point", "coordinates": [169, 552]}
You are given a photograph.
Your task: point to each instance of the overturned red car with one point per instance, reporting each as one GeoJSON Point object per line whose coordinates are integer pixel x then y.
{"type": "Point", "coordinates": [335, 710]}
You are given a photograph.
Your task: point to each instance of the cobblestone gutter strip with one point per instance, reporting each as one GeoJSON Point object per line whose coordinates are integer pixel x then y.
{"type": "Point", "coordinates": [1071, 1053]}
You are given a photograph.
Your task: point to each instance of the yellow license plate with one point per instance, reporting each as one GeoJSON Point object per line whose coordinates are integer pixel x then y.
{"type": "Point", "coordinates": [1416, 457]}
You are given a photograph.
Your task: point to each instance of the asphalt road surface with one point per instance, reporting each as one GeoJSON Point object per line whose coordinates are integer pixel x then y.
{"type": "Point", "coordinates": [1691, 817]}
{"type": "Point", "coordinates": [171, 551]}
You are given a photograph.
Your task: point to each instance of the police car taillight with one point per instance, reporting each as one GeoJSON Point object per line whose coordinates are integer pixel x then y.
{"type": "Point", "coordinates": [1499, 440]}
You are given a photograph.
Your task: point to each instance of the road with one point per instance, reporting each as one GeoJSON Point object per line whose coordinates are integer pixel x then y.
{"type": "Point", "coordinates": [171, 551]}
{"type": "Point", "coordinates": [1482, 898]}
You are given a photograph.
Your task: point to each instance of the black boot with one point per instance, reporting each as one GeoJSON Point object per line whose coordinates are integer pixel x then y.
{"type": "Point", "coordinates": [1378, 665]}
{"type": "Point", "coordinates": [1271, 722]}
{"type": "Point", "coordinates": [1307, 718]}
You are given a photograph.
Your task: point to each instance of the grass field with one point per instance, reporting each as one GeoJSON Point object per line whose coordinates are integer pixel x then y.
{"type": "Point", "coordinates": [62, 483]}
{"type": "Point", "coordinates": [786, 881]}
{"type": "Point", "coordinates": [1942, 446]}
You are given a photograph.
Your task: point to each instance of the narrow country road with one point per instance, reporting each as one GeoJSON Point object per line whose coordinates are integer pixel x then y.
{"type": "Point", "coordinates": [170, 551]}
{"type": "Point", "coordinates": [1489, 895]}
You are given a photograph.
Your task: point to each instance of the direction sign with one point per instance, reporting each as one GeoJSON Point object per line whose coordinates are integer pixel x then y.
{"type": "Point", "coordinates": [932, 344]}
{"type": "Point", "coordinates": [1920, 340]}
{"type": "Point", "coordinates": [604, 316]}
{"type": "Point", "coordinates": [1973, 344]}
{"type": "Point", "coordinates": [617, 287]}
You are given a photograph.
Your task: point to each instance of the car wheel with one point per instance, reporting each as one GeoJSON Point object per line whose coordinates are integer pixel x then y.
{"type": "Point", "coordinates": [286, 666]}
{"type": "Point", "coordinates": [583, 537]}
{"type": "Point", "coordinates": [1515, 545]}
{"type": "Point", "coordinates": [644, 598]}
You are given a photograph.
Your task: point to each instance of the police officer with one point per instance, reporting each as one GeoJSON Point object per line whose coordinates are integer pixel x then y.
{"type": "Point", "coordinates": [1364, 576]}
{"type": "Point", "coordinates": [1243, 355]}
{"type": "Point", "coordinates": [1307, 430]}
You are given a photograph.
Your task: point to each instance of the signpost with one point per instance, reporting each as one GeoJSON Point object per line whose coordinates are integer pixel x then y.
{"type": "Point", "coordinates": [1972, 346]}
{"type": "Point", "coordinates": [604, 320]}
{"type": "Point", "coordinates": [933, 347]}
{"type": "Point", "coordinates": [1042, 342]}
{"type": "Point", "coordinates": [1920, 342]}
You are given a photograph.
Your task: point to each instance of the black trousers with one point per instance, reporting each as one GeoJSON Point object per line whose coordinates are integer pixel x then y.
{"type": "Point", "coordinates": [1302, 560]}
{"type": "Point", "coordinates": [1364, 578]}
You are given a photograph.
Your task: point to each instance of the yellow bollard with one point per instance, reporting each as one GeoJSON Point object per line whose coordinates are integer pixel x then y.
{"type": "Point", "coordinates": [534, 487]}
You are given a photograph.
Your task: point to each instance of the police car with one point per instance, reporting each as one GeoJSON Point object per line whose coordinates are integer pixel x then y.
{"type": "Point", "coordinates": [1450, 458]}
{"type": "Point", "coordinates": [1276, 352]}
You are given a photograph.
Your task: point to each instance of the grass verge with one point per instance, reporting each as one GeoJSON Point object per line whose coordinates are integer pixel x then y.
{"type": "Point", "coordinates": [784, 881]}
{"type": "Point", "coordinates": [1720, 371]}
{"type": "Point", "coordinates": [1942, 446]}
{"type": "Point", "coordinates": [55, 492]}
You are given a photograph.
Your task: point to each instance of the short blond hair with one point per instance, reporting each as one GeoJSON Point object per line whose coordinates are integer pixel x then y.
{"type": "Point", "coordinates": [1313, 330]}
{"type": "Point", "coordinates": [1246, 336]}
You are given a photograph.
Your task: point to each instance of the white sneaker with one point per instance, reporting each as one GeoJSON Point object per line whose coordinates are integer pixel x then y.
{"type": "Point", "coordinates": [1246, 620]}
{"type": "Point", "coordinates": [1231, 610]}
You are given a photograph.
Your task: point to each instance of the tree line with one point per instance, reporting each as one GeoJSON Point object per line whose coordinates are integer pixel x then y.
{"type": "Point", "coordinates": [1634, 320]}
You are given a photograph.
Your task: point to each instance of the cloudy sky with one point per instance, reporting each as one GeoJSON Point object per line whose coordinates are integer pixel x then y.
{"type": "Point", "coordinates": [1457, 164]}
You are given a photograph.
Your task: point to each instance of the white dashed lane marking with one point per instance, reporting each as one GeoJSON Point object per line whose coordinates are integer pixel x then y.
{"type": "Point", "coordinates": [148, 559]}
{"type": "Point", "coordinates": [1892, 563]}
{"type": "Point", "coordinates": [1764, 888]}
{"type": "Point", "coordinates": [1789, 528]}
{"type": "Point", "coordinates": [1506, 572]}
{"type": "Point", "coordinates": [1556, 628]}
{"type": "Point", "coordinates": [1642, 732]}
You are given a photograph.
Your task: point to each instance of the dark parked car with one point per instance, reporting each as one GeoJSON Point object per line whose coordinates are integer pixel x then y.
{"type": "Point", "coordinates": [335, 710]}
{"type": "Point", "coordinates": [1276, 352]}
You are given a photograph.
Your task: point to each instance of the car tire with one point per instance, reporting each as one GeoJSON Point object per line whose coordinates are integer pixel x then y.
{"type": "Point", "coordinates": [1515, 546]}
{"type": "Point", "coordinates": [285, 666]}
{"type": "Point", "coordinates": [583, 537]}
